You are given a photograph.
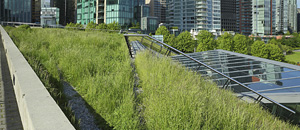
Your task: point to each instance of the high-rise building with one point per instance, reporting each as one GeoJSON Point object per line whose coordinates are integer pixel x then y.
{"type": "Point", "coordinates": [281, 25]}
{"type": "Point", "coordinates": [292, 15]}
{"type": "Point", "coordinates": [228, 15]}
{"type": "Point", "coordinates": [86, 11]}
{"type": "Point", "coordinates": [244, 17]}
{"type": "Point", "coordinates": [100, 9]}
{"type": "Point", "coordinates": [213, 15]}
{"type": "Point", "coordinates": [271, 17]}
{"type": "Point", "coordinates": [181, 13]}
{"type": "Point", "coordinates": [196, 15]}
{"type": "Point", "coordinates": [141, 11]}
{"type": "Point", "coordinates": [119, 11]}
{"type": "Point", "coordinates": [158, 9]}
{"type": "Point", "coordinates": [16, 10]}
{"type": "Point", "coordinates": [263, 17]}
{"type": "Point", "coordinates": [298, 20]}
{"type": "Point", "coordinates": [36, 11]}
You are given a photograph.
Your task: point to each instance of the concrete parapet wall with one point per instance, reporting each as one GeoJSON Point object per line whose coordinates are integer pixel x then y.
{"type": "Point", "coordinates": [37, 108]}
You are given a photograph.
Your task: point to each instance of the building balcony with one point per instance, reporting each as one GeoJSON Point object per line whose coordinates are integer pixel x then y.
{"type": "Point", "coordinates": [201, 11]}
{"type": "Point", "coordinates": [201, 23]}
{"type": "Point", "coordinates": [201, 27]}
{"type": "Point", "coordinates": [200, 2]}
{"type": "Point", "coordinates": [201, 14]}
{"type": "Point", "coordinates": [201, 7]}
{"type": "Point", "coordinates": [201, 19]}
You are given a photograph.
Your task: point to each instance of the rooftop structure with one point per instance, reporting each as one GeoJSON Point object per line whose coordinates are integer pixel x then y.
{"type": "Point", "coordinates": [276, 80]}
{"type": "Point", "coordinates": [49, 16]}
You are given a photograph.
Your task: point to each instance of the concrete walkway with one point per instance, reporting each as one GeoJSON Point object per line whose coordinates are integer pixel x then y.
{"type": "Point", "coordinates": [9, 113]}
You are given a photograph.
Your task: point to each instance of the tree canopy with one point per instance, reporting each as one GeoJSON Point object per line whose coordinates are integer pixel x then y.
{"type": "Point", "coordinates": [184, 42]}
{"type": "Point", "coordinates": [162, 30]}
{"type": "Point", "coordinates": [225, 42]}
{"type": "Point", "coordinates": [205, 41]}
{"type": "Point", "coordinates": [242, 44]}
{"type": "Point", "coordinates": [268, 51]}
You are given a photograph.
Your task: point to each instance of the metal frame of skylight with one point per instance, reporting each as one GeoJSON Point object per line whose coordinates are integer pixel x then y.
{"type": "Point", "coordinates": [260, 74]}
{"type": "Point", "coordinates": [247, 83]}
{"type": "Point", "coordinates": [274, 89]}
{"type": "Point", "coordinates": [229, 79]}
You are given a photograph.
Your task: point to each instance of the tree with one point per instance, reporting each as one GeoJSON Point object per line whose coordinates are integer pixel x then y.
{"type": "Point", "coordinates": [205, 41]}
{"type": "Point", "coordinates": [225, 42]}
{"type": "Point", "coordinates": [241, 44]}
{"type": "Point", "coordinates": [170, 40]}
{"type": "Point", "coordinates": [257, 48]}
{"type": "Point", "coordinates": [275, 53]}
{"type": "Point", "coordinates": [268, 51]}
{"type": "Point", "coordinates": [162, 30]}
{"type": "Point", "coordinates": [184, 42]}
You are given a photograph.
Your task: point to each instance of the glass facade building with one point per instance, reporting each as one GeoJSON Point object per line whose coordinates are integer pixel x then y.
{"type": "Point", "coordinates": [281, 16]}
{"type": "Point", "coordinates": [244, 17]}
{"type": "Point", "coordinates": [213, 15]}
{"type": "Point", "coordinates": [181, 14]}
{"type": "Point", "coordinates": [228, 15]}
{"type": "Point", "coordinates": [86, 11]}
{"type": "Point", "coordinates": [149, 24]}
{"type": "Point", "coordinates": [263, 17]}
{"type": "Point", "coordinates": [141, 11]}
{"type": "Point", "coordinates": [16, 10]}
{"type": "Point", "coordinates": [194, 14]}
{"type": "Point", "coordinates": [120, 11]}
{"type": "Point", "coordinates": [292, 15]}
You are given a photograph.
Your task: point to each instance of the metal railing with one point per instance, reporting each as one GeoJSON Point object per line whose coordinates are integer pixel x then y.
{"type": "Point", "coordinates": [169, 49]}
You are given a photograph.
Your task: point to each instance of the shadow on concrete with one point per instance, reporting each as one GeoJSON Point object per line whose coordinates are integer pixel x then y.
{"type": "Point", "coordinates": [12, 115]}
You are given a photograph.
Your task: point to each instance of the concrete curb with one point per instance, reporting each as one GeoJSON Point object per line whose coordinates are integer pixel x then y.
{"type": "Point", "coordinates": [37, 108]}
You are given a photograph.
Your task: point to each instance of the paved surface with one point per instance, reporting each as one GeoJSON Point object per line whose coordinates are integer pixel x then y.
{"type": "Point", "coordinates": [9, 113]}
{"type": "Point", "coordinates": [136, 46]}
{"type": "Point", "coordinates": [296, 50]}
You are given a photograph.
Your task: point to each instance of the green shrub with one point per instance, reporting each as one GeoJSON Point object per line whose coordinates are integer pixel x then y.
{"type": "Point", "coordinates": [24, 26]}
{"type": "Point", "coordinates": [73, 26]}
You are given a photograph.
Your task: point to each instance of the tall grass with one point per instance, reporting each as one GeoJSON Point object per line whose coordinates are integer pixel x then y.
{"type": "Point", "coordinates": [175, 98]}
{"type": "Point", "coordinates": [96, 64]}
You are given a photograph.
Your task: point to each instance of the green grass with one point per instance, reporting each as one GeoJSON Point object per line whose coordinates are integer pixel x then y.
{"type": "Point", "coordinates": [175, 98]}
{"type": "Point", "coordinates": [97, 64]}
{"type": "Point", "coordinates": [295, 57]}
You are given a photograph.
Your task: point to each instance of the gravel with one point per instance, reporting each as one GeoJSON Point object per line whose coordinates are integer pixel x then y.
{"type": "Point", "coordinates": [77, 104]}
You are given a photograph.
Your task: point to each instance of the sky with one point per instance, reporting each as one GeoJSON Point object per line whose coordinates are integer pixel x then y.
{"type": "Point", "coordinates": [298, 3]}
